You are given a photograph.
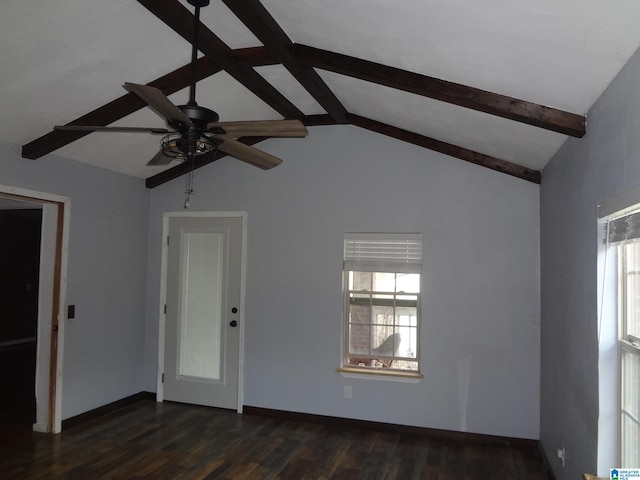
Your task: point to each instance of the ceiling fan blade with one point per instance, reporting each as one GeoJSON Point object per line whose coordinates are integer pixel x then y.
{"type": "Point", "coordinates": [246, 153]}
{"type": "Point", "coordinates": [261, 128]}
{"type": "Point", "coordinates": [160, 159]}
{"type": "Point", "coordinates": [96, 128]}
{"type": "Point", "coordinates": [159, 102]}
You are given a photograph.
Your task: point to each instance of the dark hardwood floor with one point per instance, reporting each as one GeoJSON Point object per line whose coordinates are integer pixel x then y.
{"type": "Point", "coordinates": [17, 396]}
{"type": "Point", "coordinates": [147, 440]}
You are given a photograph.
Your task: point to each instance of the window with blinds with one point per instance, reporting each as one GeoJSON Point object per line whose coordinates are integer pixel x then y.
{"type": "Point", "coordinates": [622, 234]}
{"type": "Point", "coordinates": [382, 275]}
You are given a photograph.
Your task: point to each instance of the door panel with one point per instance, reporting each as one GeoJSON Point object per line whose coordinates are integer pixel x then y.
{"type": "Point", "coordinates": [203, 308]}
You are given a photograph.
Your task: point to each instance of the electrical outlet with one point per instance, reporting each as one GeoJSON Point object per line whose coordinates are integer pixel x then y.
{"type": "Point", "coordinates": [561, 454]}
{"type": "Point", "coordinates": [348, 392]}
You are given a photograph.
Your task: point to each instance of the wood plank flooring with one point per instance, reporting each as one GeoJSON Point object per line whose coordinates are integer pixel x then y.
{"type": "Point", "coordinates": [147, 440]}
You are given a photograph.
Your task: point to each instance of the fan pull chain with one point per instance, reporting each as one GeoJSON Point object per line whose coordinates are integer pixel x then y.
{"type": "Point", "coordinates": [188, 189]}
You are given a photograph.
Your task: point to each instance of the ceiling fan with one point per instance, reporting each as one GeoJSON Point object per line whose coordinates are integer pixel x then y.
{"type": "Point", "coordinates": [195, 130]}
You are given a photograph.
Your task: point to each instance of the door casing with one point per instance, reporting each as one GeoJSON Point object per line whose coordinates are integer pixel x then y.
{"type": "Point", "coordinates": [163, 296]}
{"type": "Point", "coordinates": [51, 303]}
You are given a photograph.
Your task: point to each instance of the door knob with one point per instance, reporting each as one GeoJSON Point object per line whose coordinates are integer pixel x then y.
{"type": "Point", "coordinates": [233, 323]}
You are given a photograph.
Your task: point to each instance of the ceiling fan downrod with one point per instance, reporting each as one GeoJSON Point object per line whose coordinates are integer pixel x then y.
{"type": "Point", "coordinates": [200, 116]}
{"type": "Point", "coordinates": [198, 4]}
{"type": "Point", "coordinates": [189, 141]}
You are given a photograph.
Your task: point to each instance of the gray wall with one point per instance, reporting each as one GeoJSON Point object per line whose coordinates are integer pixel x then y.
{"type": "Point", "coordinates": [480, 310]}
{"type": "Point", "coordinates": [594, 170]}
{"type": "Point", "coordinates": [104, 354]}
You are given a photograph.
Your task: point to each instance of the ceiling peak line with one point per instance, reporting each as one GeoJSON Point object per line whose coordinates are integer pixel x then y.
{"type": "Point", "coordinates": [266, 29]}
{"type": "Point", "coordinates": [461, 153]}
{"type": "Point", "coordinates": [492, 103]}
{"type": "Point", "coordinates": [179, 19]}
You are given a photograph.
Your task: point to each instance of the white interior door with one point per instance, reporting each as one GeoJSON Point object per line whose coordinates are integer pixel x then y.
{"type": "Point", "coordinates": [202, 331]}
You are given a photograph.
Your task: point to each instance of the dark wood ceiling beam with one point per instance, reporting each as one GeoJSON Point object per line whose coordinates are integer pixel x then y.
{"type": "Point", "coordinates": [446, 148]}
{"type": "Point", "coordinates": [253, 14]}
{"type": "Point", "coordinates": [178, 18]}
{"type": "Point", "coordinates": [320, 119]}
{"type": "Point", "coordinates": [454, 93]}
{"type": "Point", "coordinates": [254, 57]}
{"type": "Point", "coordinates": [129, 103]}
{"type": "Point", "coordinates": [184, 168]}
{"type": "Point", "coordinates": [116, 109]}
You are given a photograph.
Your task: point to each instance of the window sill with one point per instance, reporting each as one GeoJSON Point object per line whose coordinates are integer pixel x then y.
{"type": "Point", "coordinates": [380, 374]}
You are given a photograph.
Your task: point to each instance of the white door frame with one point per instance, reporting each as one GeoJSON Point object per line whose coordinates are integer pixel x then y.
{"type": "Point", "coordinates": [54, 242]}
{"type": "Point", "coordinates": [163, 294]}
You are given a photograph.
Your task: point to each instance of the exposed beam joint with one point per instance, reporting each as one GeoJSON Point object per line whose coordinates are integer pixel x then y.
{"type": "Point", "coordinates": [253, 14]}
{"type": "Point", "coordinates": [179, 19]}
{"type": "Point", "coordinates": [253, 57]}
{"type": "Point", "coordinates": [315, 120]}
{"type": "Point", "coordinates": [446, 148]}
{"type": "Point", "coordinates": [503, 106]}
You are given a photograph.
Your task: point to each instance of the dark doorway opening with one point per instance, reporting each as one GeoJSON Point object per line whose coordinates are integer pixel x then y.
{"type": "Point", "coordinates": [20, 236]}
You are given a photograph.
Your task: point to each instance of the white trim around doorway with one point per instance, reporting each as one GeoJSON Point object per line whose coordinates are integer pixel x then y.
{"type": "Point", "coordinates": [54, 248]}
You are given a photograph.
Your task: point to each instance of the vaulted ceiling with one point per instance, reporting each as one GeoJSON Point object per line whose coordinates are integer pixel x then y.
{"type": "Point", "coordinates": [500, 83]}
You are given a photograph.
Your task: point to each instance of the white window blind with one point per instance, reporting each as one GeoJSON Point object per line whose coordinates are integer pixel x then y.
{"type": "Point", "coordinates": [383, 252]}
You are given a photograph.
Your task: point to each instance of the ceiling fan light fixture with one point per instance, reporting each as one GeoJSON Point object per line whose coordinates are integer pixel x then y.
{"type": "Point", "coordinates": [179, 146]}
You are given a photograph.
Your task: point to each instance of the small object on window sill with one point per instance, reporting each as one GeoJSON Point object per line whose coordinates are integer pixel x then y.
{"type": "Point", "coordinates": [380, 372]}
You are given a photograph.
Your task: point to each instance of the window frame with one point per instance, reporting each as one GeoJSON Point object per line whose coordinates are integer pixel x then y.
{"type": "Point", "coordinates": [627, 343]}
{"type": "Point", "coordinates": [395, 267]}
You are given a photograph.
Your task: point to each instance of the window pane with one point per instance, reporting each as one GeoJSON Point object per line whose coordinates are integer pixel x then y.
{"type": "Point", "coordinates": [360, 281]}
{"type": "Point", "coordinates": [630, 409]}
{"type": "Point", "coordinates": [630, 442]}
{"type": "Point", "coordinates": [408, 282]}
{"type": "Point", "coordinates": [384, 282]}
{"type": "Point", "coordinates": [360, 314]}
{"type": "Point", "coordinates": [383, 316]}
{"type": "Point", "coordinates": [631, 383]}
{"type": "Point", "coordinates": [409, 342]}
{"type": "Point", "coordinates": [633, 289]}
{"type": "Point", "coordinates": [384, 342]}
{"type": "Point", "coordinates": [407, 316]}
{"type": "Point", "coordinates": [201, 305]}
{"type": "Point", "coordinates": [359, 339]}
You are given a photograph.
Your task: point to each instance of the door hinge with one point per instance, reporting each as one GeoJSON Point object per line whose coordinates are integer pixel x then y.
{"type": "Point", "coordinates": [162, 380]}
{"type": "Point", "coordinates": [167, 240]}
{"type": "Point", "coordinates": [165, 308]}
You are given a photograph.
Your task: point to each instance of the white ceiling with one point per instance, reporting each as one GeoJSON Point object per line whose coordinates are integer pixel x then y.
{"type": "Point", "coordinates": [60, 59]}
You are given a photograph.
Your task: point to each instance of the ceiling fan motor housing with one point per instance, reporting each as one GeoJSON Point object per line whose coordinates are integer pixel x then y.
{"type": "Point", "coordinates": [198, 3]}
{"type": "Point", "coordinates": [189, 140]}
{"type": "Point", "coordinates": [200, 116]}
